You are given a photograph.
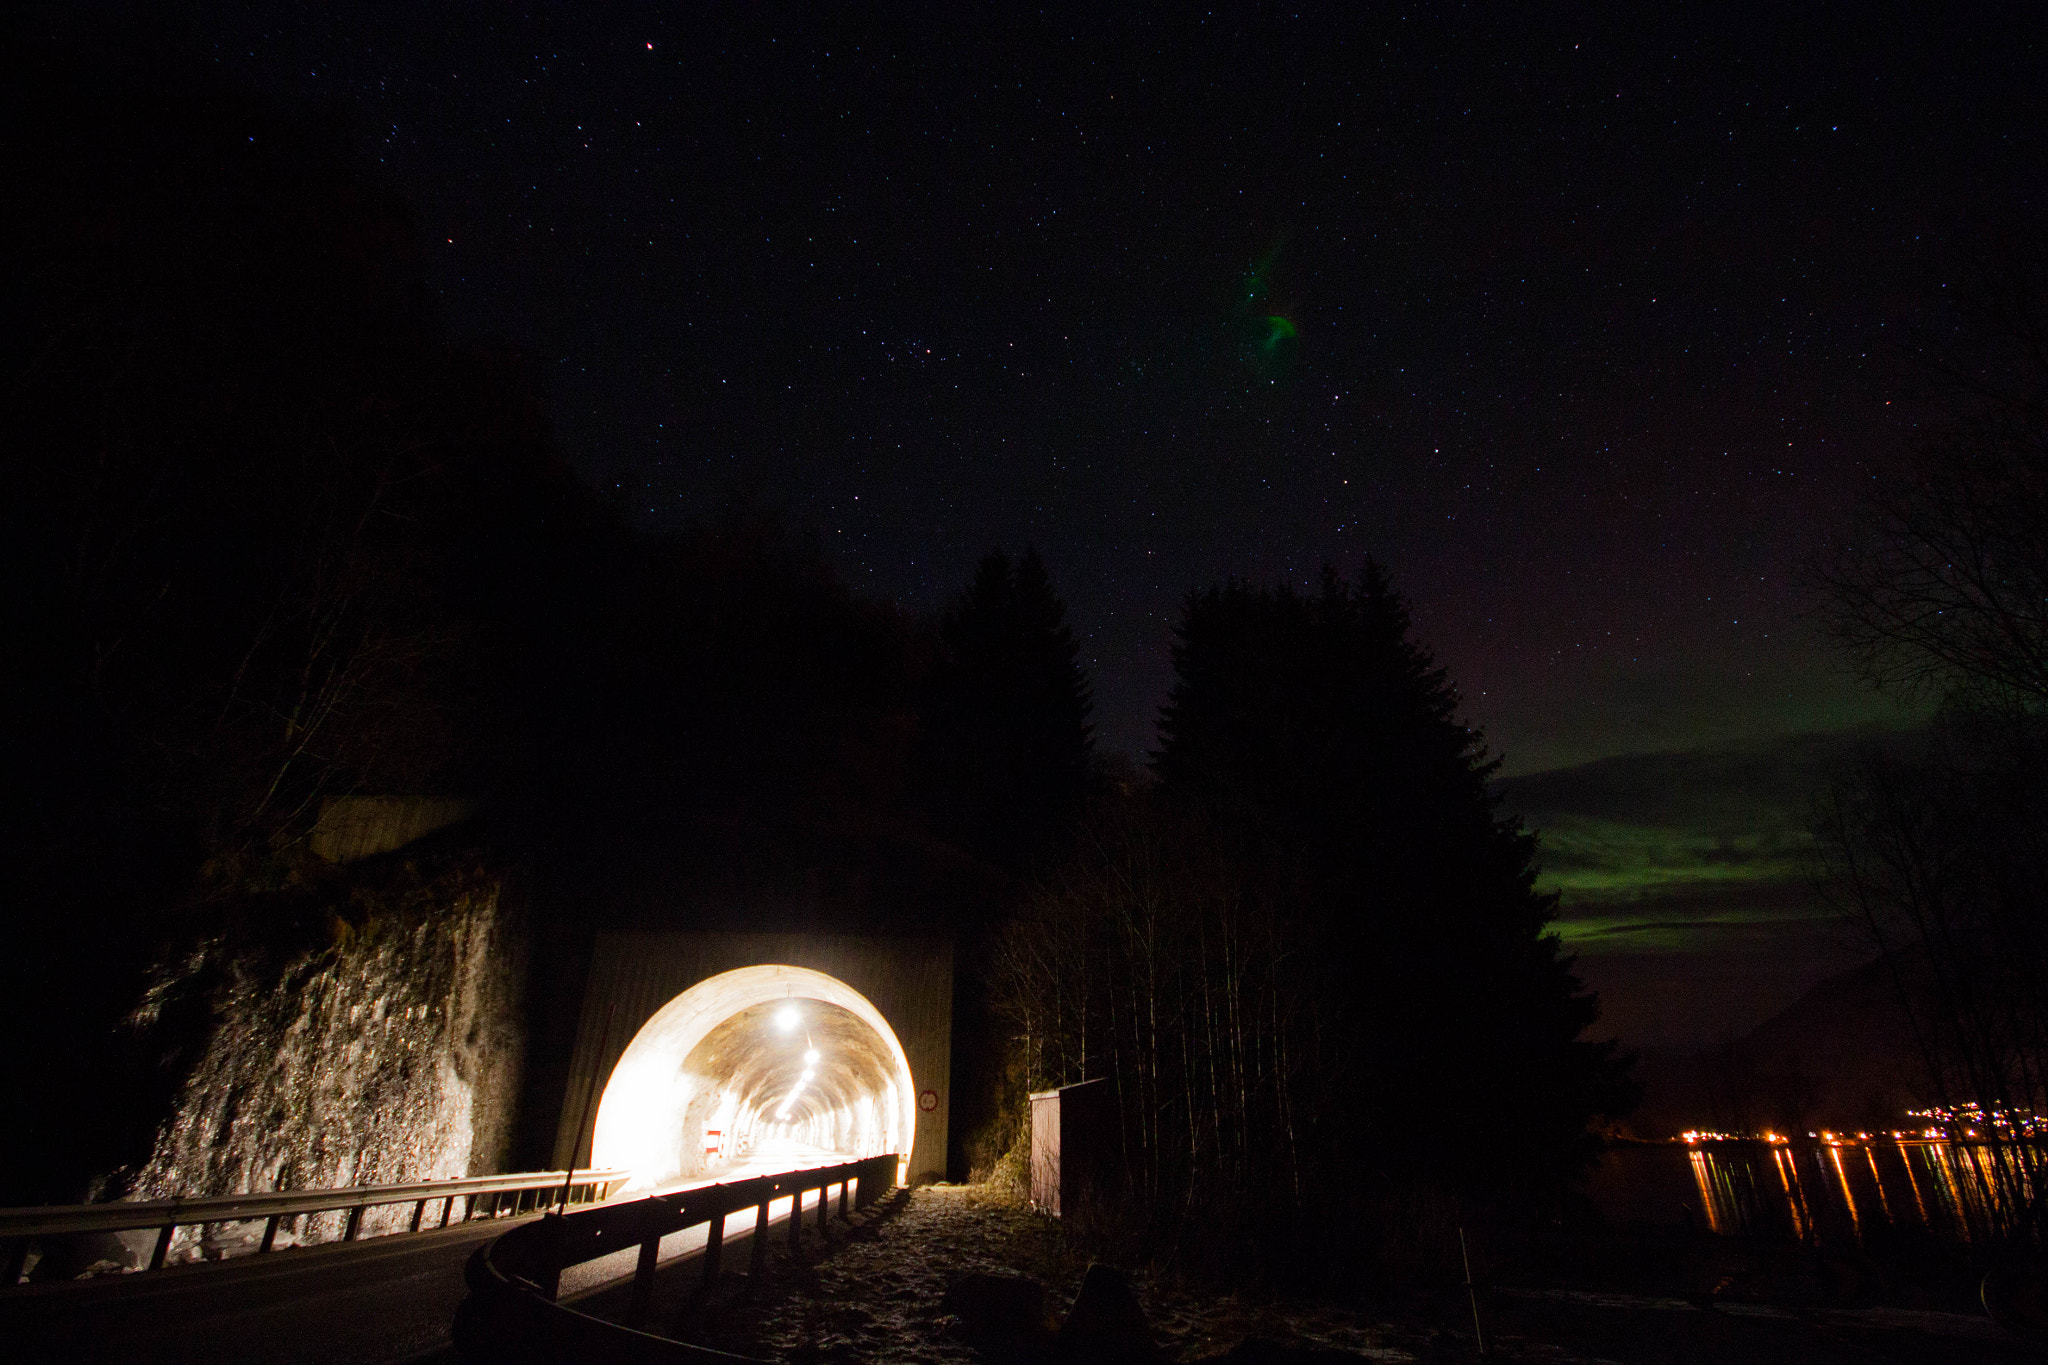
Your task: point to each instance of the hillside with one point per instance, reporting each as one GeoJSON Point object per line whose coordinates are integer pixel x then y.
{"type": "Point", "coordinates": [1840, 1057]}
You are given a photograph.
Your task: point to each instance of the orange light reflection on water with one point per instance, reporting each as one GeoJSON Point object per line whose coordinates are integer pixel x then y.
{"type": "Point", "coordinates": [1942, 1161]}
{"type": "Point", "coordinates": [1795, 1197]}
{"type": "Point", "coordinates": [1884, 1204]}
{"type": "Point", "coordinates": [1971, 1190]}
{"type": "Point", "coordinates": [1715, 1198]}
{"type": "Point", "coordinates": [1848, 1195]}
{"type": "Point", "coordinates": [1906, 1160]}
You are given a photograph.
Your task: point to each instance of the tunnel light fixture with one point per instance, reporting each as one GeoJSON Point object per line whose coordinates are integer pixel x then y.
{"type": "Point", "coordinates": [811, 1057]}
{"type": "Point", "coordinates": [787, 1018]}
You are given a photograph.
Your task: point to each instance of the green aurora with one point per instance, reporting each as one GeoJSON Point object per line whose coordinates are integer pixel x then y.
{"type": "Point", "coordinates": [1685, 881]}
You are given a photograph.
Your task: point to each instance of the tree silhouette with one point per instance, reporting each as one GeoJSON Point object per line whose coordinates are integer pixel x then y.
{"type": "Point", "coordinates": [1942, 586]}
{"type": "Point", "coordinates": [1316, 728]}
{"type": "Point", "coordinates": [1006, 740]}
{"type": "Point", "coordinates": [1001, 771]}
{"type": "Point", "coordinates": [1935, 851]}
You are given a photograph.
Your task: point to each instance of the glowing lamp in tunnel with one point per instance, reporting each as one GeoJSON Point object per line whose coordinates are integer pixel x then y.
{"type": "Point", "coordinates": [787, 1018]}
{"type": "Point", "coordinates": [811, 1058]}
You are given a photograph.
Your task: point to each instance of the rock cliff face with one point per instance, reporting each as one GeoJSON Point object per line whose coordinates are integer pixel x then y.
{"type": "Point", "coordinates": [375, 1041]}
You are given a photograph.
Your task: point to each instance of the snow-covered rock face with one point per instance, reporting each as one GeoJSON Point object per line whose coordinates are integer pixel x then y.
{"type": "Point", "coordinates": [386, 1055]}
{"type": "Point", "coordinates": [759, 1060]}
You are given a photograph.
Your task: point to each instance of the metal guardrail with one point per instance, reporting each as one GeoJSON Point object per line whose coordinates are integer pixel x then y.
{"type": "Point", "coordinates": [511, 1313]}
{"type": "Point", "coordinates": [483, 1196]}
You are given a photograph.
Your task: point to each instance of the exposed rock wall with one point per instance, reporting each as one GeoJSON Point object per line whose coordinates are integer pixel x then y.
{"type": "Point", "coordinates": [382, 1046]}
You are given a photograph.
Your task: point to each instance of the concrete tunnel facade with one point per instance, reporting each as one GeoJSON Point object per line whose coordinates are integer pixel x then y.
{"type": "Point", "coordinates": [700, 1053]}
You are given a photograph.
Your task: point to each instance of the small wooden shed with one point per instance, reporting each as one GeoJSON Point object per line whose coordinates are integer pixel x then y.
{"type": "Point", "coordinates": [1073, 1137]}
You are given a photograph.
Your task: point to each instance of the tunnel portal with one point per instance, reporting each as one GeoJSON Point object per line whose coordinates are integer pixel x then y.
{"type": "Point", "coordinates": [759, 1067]}
{"type": "Point", "coordinates": [677, 1053]}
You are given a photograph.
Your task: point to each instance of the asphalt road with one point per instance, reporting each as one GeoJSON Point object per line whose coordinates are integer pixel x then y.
{"type": "Point", "coordinates": [389, 1299]}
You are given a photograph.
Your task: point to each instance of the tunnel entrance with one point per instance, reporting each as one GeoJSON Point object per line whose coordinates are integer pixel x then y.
{"type": "Point", "coordinates": [759, 1068]}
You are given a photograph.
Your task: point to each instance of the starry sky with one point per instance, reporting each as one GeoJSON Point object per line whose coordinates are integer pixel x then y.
{"type": "Point", "coordinates": [1584, 321]}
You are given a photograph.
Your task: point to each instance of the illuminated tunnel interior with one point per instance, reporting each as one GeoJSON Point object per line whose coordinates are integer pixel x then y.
{"type": "Point", "coordinates": [759, 1068]}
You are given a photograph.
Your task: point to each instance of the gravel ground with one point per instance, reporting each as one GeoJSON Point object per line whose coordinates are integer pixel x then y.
{"type": "Point", "coordinates": [875, 1297]}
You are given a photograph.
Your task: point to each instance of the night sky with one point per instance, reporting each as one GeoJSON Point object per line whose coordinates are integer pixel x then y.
{"type": "Point", "coordinates": [1584, 324]}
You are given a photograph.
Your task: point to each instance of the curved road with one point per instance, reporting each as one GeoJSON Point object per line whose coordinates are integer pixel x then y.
{"type": "Point", "coordinates": [388, 1299]}
{"type": "Point", "coordinates": [383, 1300]}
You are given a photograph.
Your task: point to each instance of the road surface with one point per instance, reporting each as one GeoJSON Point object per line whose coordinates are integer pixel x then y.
{"type": "Point", "coordinates": [387, 1299]}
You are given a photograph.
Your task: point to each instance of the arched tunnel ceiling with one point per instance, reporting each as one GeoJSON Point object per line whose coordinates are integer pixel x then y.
{"type": "Point", "coordinates": [714, 1075]}
{"type": "Point", "coordinates": [754, 1058]}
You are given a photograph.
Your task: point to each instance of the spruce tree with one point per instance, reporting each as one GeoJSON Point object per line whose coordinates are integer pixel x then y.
{"type": "Point", "coordinates": [1328, 740]}
{"type": "Point", "coordinates": [1006, 742]}
{"type": "Point", "coordinates": [1002, 767]}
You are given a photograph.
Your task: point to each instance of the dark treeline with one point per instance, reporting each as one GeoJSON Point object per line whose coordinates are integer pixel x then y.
{"type": "Point", "coordinates": [1309, 955]}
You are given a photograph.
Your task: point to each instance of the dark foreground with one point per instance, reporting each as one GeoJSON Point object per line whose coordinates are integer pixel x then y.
{"type": "Point", "coordinates": [878, 1293]}
{"type": "Point", "coordinates": [881, 1297]}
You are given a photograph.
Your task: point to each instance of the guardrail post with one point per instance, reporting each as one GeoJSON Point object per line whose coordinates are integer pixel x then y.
{"type": "Point", "coordinates": [759, 1260]}
{"type": "Point", "coordinates": [14, 1261]}
{"type": "Point", "coordinates": [544, 1252]}
{"type": "Point", "coordinates": [643, 1279]}
{"type": "Point", "coordinates": [355, 1223]}
{"type": "Point", "coordinates": [555, 1238]}
{"type": "Point", "coordinates": [163, 1246]}
{"type": "Point", "coordinates": [714, 1249]}
{"type": "Point", "coordinates": [419, 1214]}
{"type": "Point", "coordinates": [447, 1208]}
{"type": "Point", "coordinates": [270, 1232]}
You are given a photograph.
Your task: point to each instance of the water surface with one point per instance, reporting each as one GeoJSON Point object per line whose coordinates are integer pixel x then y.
{"type": "Point", "coordinates": [1814, 1189]}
